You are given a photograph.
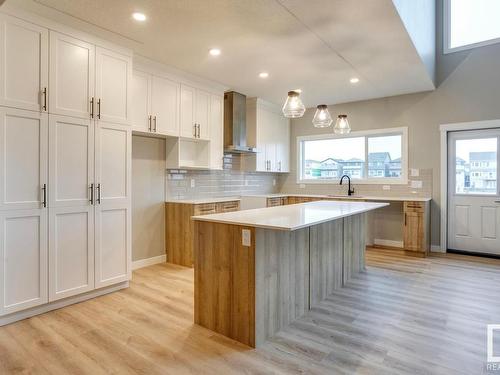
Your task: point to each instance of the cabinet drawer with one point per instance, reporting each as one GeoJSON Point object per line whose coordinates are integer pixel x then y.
{"type": "Point", "coordinates": [205, 209]}
{"type": "Point", "coordinates": [228, 206]}
{"type": "Point", "coordinates": [284, 201]}
{"type": "Point", "coordinates": [273, 202]}
{"type": "Point", "coordinates": [411, 206]}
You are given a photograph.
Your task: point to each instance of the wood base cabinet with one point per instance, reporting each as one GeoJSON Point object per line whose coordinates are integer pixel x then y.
{"type": "Point", "coordinates": [416, 232]}
{"type": "Point", "coordinates": [180, 228]}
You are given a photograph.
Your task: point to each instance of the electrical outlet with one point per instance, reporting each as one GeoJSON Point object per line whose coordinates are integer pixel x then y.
{"type": "Point", "coordinates": [246, 239]}
{"type": "Point", "coordinates": [414, 172]}
{"type": "Point", "coordinates": [274, 182]}
{"type": "Point", "coordinates": [246, 182]}
{"type": "Point", "coordinates": [386, 187]}
{"type": "Point", "coordinates": [415, 184]}
{"type": "Point", "coordinates": [193, 183]}
{"type": "Point", "coordinates": [302, 186]}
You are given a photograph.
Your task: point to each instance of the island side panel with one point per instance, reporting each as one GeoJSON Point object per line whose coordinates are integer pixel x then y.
{"type": "Point", "coordinates": [282, 280]}
{"type": "Point", "coordinates": [326, 256]}
{"type": "Point", "coordinates": [354, 245]}
{"type": "Point", "coordinates": [224, 269]}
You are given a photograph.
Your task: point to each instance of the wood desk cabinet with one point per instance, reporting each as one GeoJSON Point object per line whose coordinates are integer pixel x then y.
{"type": "Point", "coordinates": [416, 236]}
{"type": "Point", "coordinates": [179, 229]}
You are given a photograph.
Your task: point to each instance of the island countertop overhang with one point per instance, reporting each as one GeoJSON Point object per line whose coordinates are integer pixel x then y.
{"type": "Point", "coordinates": [292, 217]}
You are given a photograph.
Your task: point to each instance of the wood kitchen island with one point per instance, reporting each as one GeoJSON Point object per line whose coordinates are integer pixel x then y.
{"type": "Point", "coordinates": [256, 271]}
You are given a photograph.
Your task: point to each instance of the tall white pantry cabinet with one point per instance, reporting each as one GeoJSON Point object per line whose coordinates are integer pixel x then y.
{"type": "Point", "coordinates": [65, 166]}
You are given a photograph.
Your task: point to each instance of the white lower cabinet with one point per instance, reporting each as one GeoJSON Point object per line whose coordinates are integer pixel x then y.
{"type": "Point", "coordinates": [71, 251]}
{"type": "Point", "coordinates": [23, 255]}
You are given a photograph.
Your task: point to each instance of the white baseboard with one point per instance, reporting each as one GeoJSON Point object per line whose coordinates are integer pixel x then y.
{"type": "Point", "coordinates": [14, 317]}
{"type": "Point", "coordinates": [437, 249]}
{"type": "Point", "coordinates": [148, 262]}
{"type": "Point", "coordinates": [391, 243]}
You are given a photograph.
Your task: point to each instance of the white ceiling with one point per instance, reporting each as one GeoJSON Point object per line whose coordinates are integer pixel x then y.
{"type": "Point", "coordinates": [314, 45]}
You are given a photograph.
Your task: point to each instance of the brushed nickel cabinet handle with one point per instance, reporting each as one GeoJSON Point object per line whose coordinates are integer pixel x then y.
{"type": "Point", "coordinates": [91, 194]}
{"type": "Point", "coordinates": [44, 107]}
{"type": "Point", "coordinates": [149, 122]}
{"type": "Point", "coordinates": [154, 119]}
{"type": "Point", "coordinates": [98, 193]}
{"type": "Point", "coordinates": [194, 130]}
{"type": "Point", "coordinates": [44, 201]}
{"type": "Point", "coordinates": [99, 108]}
{"type": "Point", "coordinates": [92, 107]}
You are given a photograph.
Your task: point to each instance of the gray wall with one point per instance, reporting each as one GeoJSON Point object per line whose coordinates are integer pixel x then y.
{"type": "Point", "coordinates": [469, 90]}
{"type": "Point", "coordinates": [148, 197]}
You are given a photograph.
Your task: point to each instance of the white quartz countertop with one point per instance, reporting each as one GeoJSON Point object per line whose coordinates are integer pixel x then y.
{"type": "Point", "coordinates": [292, 217]}
{"type": "Point", "coordinates": [333, 196]}
{"type": "Point", "coordinates": [204, 200]}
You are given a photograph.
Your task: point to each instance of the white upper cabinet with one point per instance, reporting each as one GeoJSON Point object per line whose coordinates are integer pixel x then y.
{"type": "Point", "coordinates": [71, 161]}
{"type": "Point", "coordinates": [23, 159]}
{"type": "Point", "coordinates": [23, 64]}
{"type": "Point", "coordinates": [216, 131]}
{"type": "Point", "coordinates": [187, 115]}
{"type": "Point", "coordinates": [165, 106]}
{"type": "Point", "coordinates": [141, 103]}
{"type": "Point", "coordinates": [72, 63]}
{"type": "Point", "coordinates": [113, 78]}
{"type": "Point", "coordinates": [23, 255]}
{"type": "Point", "coordinates": [269, 131]}
{"type": "Point", "coordinates": [202, 112]}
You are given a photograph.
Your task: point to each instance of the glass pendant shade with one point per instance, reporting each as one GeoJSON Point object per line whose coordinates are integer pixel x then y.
{"type": "Point", "coordinates": [322, 118]}
{"type": "Point", "coordinates": [293, 107]}
{"type": "Point", "coordinates": [342, 125]}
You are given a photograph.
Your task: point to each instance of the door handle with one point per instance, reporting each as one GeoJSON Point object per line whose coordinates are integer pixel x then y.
{"type": "Point", "coordinates": [92, 107]}
{"type": "Point", "coordinates": [98, 194]}
{"type": "Point", "coordinates": [44, 201]}
{"type": "Point", "coordinates": [44, 107]}
{"type": "Point", "coordinates": [99, 108]}
{"type": "Point", "coordinates": [91, 194]}
{"type": "Point", "coordinates": [154, 118]}
{"type": "Point", "coordinates": [149, 122]}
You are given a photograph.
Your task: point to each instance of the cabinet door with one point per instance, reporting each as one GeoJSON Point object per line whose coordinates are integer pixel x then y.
{"type": "Point", "coordinates": [187, 112]}
{"type": "Point", "coordinates": [24, 71]}
{"type": "Point", "coordinates": [113, 81]}
{"type": "Point", "coordinates": [165, 106]}
{"type": "Point", "coordinates": [112, 210]}
{"type": "Point", "coordinates": [141, 101]}
{"type": "Point", "coordinates": [270, 148]}
{"type": "Point", "coordinates": [23, 259]}
{"type": "Point", "coordinates": [72, 64]}
{"type": "Point", "coordinates": [283, 145]}
{"type": "Point", "coordinates": [71, 251]}
{"type": "Point", "coordinates": [23, 158]}
{"type": "Point", "coordinates": [202, 103]}
{"type": "Point", "coordinates": [216, 132]}
{"type": "Point", "coordinates": [413, 231]}
{"type": "Point", "coordinates": [71, 161]}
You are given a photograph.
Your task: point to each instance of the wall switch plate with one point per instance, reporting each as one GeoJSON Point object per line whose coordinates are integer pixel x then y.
{"type": "Point", "coordinates": [302, 186]}
{"type": "Point", "coordinates": [246, 182]}
{"type": "Point", "coordinates": [246, 237]}
{"type": "Point", "coordinates": [416, 184]}
{"type": "Point", "coordinates": [414, 172]}
{"type": "Point", "coordinates": [193, 183]}
{"type": "Point", "coordinates": [386, 187]}
{"type": "Point", "coordinates": [274, 182]}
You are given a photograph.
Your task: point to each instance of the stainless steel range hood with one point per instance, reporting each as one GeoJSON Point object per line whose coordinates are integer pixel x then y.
{"type": "Point", "coordinates": [235, 124]}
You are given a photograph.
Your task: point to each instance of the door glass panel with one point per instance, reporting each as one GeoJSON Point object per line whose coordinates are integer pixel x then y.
{"type": "Point", "coordinates": [476, 166]}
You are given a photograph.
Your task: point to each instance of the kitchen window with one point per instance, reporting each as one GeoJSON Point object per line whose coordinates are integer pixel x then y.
{"type": "Point", "coordinates": [369, 157]}
{"type": "Point", "coordinates": [469, 24]}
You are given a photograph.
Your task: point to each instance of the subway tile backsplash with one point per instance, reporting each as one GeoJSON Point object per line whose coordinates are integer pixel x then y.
{"type": "Point", "coordinates": [192, 184]}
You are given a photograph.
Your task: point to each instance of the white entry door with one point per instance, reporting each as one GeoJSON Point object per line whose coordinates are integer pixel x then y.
{"type": "Point", "coordinates": [473, 191]}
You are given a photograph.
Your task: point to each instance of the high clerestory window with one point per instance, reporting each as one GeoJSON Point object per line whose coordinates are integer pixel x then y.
{"type": "Point", "coordinates": [470, 23]}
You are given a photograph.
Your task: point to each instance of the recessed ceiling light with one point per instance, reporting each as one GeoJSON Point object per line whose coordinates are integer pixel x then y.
{"type": "Point", "coordinates": [263, 74]}
{"type": "Point", "coordinates": [214, 52]}
{"type": "Point", "coordinates": [139, 16]}
{"type": "Point", "coordinates": [354, 80]}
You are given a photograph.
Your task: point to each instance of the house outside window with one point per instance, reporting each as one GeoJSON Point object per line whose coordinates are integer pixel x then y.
{"type": "Point", "coordinates": [378, 156]}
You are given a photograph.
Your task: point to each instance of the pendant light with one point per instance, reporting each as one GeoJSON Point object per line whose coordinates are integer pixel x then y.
{"type": "Point", "coordinates": [293, 107]}
{"type": "Point", "coordinates": [342, 125]}
{"type": "Point", "coordinates": [322, 118]}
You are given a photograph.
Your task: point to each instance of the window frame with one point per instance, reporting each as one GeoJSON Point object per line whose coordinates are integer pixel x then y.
{"type": "Point", "coordinates": [402, 180]}
{"type": "Point", "coordinates": [447, 33]}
